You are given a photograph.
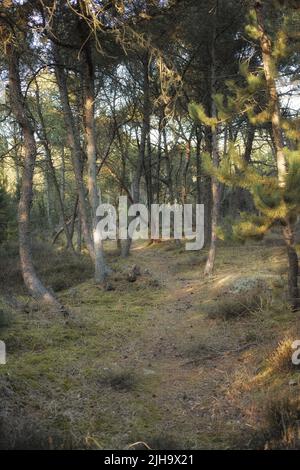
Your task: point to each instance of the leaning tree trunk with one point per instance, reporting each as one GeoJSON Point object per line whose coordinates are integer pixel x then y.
{"type": "Point", "coordinates": [90, 138]}
{"type": "Point", "coordinates": [288, 230]}
{"type": "Point", "coordinates": [18, 107]}
{"type": "Point", "coordinates": [215, 187]}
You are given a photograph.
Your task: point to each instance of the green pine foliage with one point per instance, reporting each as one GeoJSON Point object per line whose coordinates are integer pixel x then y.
{"type": "Point", "coordinates": [273, 203]}
{"type": "Point", "coordinates": [251, 226]}
{"type": "Point", "coordinates": [247, 97]}
{"type": "Point", "coordinates": [197, 112]}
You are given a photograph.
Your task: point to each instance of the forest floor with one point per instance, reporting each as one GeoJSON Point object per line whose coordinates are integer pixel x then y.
{"type": "Point", "coordinates": [148, 361]}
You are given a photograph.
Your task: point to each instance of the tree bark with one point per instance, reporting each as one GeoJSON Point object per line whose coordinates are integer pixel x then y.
{"type": "Point", "coordinates": [51, 168]}
{"type": "Point", "coordinates": [288, 230]}
{"type": "Point", "coordinates": [74, 142]}
{"type": "Point", "coordinates": [31, 279]}
{"type": "Point", "coordinates": [101, 270]}
{"type": "Point", "coordinates": [198, 165]}
{"type": "Point", "coordinates": [142, 150]}
{"type": "Point", "coordinates": [266, 48]}
{"type": "Point", "coordinates": [215, 187]}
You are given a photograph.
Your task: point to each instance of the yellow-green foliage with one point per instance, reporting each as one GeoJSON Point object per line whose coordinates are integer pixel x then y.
{"type": "Point", "coordinates": [280, 48]}
{"type": "Point", "coordinates": [259, 118]}
{"type": "Point", "coordinates": [239, 100]}
{"type": "Point", "coordinates": [251, 226]}
{"type": "Point", "coordinates": [255, 81]}
{"type": "Point", "coordinates": [292, 193]}
{"type": "Point", "coordinates": [291, 128]}
{"type": "Point", "coordinates": [273, 202]}
{"type": "Point", "coordinates": [269, 199]}
{"type": "Point", "coordinates": [251, 28]}
{"type": "Point", "coordinates": [198, 113]}
{"type": "Point", "coordinates": [233, 170]}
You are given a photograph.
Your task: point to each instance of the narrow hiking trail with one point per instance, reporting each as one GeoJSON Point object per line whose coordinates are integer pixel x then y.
{"type": "Point", "coordinates": [198, 361]}
{"type": "Point", "coordinates": [144, 362]}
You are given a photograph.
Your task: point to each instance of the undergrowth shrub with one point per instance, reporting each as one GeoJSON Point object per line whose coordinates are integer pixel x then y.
{"type": "Point", "coordinates": [59, 269]}
{"type": "Point", "coordinates": [235, 305]}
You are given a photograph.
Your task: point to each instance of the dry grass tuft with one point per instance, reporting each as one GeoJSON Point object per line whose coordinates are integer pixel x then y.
{"type": "Point", "coordinates": [234, 306]}
{"type": "Point", "coordinates": [281, 359]}
{"type": "Point", "coordinates": [282, 421]}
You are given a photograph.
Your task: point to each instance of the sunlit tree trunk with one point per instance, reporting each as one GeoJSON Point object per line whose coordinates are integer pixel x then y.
{"type": "Point", "coordinates": [31, 279]}
{"type": "Point", "coordinates": [91, 151]}
{"type": "Point", "coordinates": [266, 48]}
{"type": "Point", "coordinates": [289, 224]}
{"type": "Point", "coordinates": [215, 187]}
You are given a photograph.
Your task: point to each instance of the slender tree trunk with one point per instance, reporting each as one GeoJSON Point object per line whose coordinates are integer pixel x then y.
{"type": "Point", "coordinates": [74, 142]}
{"type": "Point", "coordinates": [144, 133]}
{"type": "Point", "coordinates": [185, 171]}
{"type": "Point", "coordinates": [48, 198]}
{"type": "Point", "coordinates": [198, 166]}
{"type": "Point", "coordinates": [17, 150]}
{"type": "Point", "coordinates": [63, 175]}
{"type": "Point", "coordinates": [148, 172]}
{"type": "Point", "coordinates": [91, 151]}
{"type": "Point", "coordinates": [142, 150]}
{"type": "Point", "coordinates": [31, 279]}
{"type": "Point", "coordinates": [74, 215]}
{"type": "Point", "coordinates": [241, 198]}
{"type": "Point", "coordinates": [158, 163]}
{"type": "Point", "coordinates": [249, 142]}
{"type": "Point", "coordinates": [79, 234]}
{"type": "Point", "coordinates": [146, 125]}
{"type": "Point", "coordinates": [215, 160]}
{"type": "Point", "coordinates": [168, 167]}
{"type": "Point", "coordinates": [207, 191]}
{"type": "Point", "coordinates": [50, 167]}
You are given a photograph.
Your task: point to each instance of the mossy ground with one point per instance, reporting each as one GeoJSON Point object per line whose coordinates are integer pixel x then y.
{"type": "Point", "coordinates": [144, 362]}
